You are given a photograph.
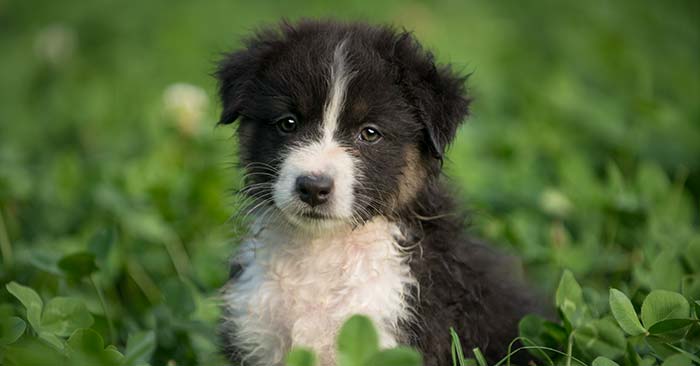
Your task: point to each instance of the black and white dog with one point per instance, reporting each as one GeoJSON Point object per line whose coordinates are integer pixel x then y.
{"type": "Point", "coordinates": [342, 131]}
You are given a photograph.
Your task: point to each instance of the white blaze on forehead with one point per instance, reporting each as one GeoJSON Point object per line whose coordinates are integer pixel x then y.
{"type": "Point", "coordinates": [325, 156]}
{"type": "Point", "coordinates": [340, 75]}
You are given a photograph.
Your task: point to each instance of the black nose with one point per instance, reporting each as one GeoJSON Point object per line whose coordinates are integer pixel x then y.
{"type": "Point", "coordinates": [314, 189]}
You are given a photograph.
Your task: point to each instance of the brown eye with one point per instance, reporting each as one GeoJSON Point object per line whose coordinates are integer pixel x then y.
{"type": "Point", "coordinates": [287, 124]}
{"type": "Point", "coordinates": [370, 134]}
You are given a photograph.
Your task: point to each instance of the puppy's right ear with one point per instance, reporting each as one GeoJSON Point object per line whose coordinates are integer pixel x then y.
{"type": "Point", "coordinates": [237, 71]}
{"type": "Point", "coordinates": [235, 74]}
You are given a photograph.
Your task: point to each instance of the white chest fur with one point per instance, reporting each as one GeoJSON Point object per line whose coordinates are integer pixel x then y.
{"type": "Point", "coordinates": [298, 290]}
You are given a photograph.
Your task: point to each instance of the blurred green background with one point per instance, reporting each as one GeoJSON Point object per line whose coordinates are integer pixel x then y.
{"type": "Point", "coordinates": [582, 152]}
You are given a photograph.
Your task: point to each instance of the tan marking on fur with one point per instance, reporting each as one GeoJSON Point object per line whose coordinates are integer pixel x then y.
{"type": "Point", "coordinates": [413, 176]}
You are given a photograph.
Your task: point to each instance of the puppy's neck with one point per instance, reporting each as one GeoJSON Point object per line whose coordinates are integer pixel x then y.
{"type": "Point", "coordinates": [273, 233]}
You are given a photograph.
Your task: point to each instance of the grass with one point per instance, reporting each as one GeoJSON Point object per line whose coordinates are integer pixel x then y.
{"type": "Point", "coordinates": [581, 153]}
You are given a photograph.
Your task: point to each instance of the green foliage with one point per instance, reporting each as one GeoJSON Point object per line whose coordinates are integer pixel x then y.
{"type": "Point", "coordinates": [603, 361]}
{"type": "Point", "coordinates": [480, 359]}
{"type": "Point", "coordinates": [64, 315]}
{"type": "Point", "coordinates": [61, 318]}
{"type": "Point", "coordinates": [358, 345]}
{"type": "Point", "coordinates": [33, 305]}
{"type": "Point", "coordinates": [301, 357]}
{"type": "Point", "coordinates": [624, 313]}
{"type": "Point", "coordinates": [78, 265]}
{"type": "Point", "coordinates": [664, 334]}
{"type": "Point", "coordinates": [569, 300]}
{"type": "Point", "coordinates": [581, 154]}
{"type": "Point", "coordinates": [400, 356]}
{"type": "Point", "coordinates": [11, 328]}
{"type": "Point", "coordinates": [140, 347]}
{"type": "Point", "coordinates": [661, 305]}
{"type": "Point", "coordinates": [357, 342]}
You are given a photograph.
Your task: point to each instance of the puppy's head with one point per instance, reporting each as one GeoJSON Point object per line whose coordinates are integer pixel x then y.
{"type": "Point", "coordinates": [338, 122]}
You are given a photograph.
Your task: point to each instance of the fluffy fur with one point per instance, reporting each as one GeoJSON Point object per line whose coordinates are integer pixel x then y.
{"type": "Point", "coordinates": [387, 241]}
{"type": "Point", "coordinates": [298, 289]}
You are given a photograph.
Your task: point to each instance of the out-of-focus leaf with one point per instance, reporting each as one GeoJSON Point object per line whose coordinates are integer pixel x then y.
{"type": "Point", "coordinates": [357, 341]}
{"type": "Point", "coordinates": [86, 348]}
{"type": "Point", "coordinates": [692, 336]}
{"type": "Point", "coordinates": [685, 353]}
{"type": "Point", "coordinates": [400, 356]}
{"type": "Point", "coordinates": [101, 243]}
{"type": "Point", "coordinates": [113, 356]}
{"type": "Point", "coordinates": [30, 351]}
{"type": "Point", "coordinates": [652, 182]}
{"type": "Point", "coordinates": [569, 299]}
{"type": "Point", "coordinates": [86, 339]}
{"type": "Point", "coordinates": [691, 286]}
{"type": "Point", "coordinates": [633, 356]}
{"type": "Point", "coordinates": [64, 315]}
{"type": "Point", "coordinates": [78, 265]}
{"type": "Point", "coordinates": [677, 360]}
{"type": "Point", "coordinates": [666, 271]}
{"type": "Point", "coordinates": [11, 329]}
{"type": "Point", "coordinates": [300, 357]}
{"type": "Point", "coordinates": [31, 301]}
{"type": "Point", "coordinates": [536, 331]}
{"type": "Point", "coordinates": [178, 297]}
{"type": "Point", "coordinates": [603, 361]}
{"type": "Point", "coordinates": [601, 337]}
{"type": "Point", "coordinates": [140, 347]}
{"type": "Point", "coordinates": [52, 339]}
{"type": "Point", "coordinates": [149, 226]}
{"type": "Point", "coordinates": [692, 255]}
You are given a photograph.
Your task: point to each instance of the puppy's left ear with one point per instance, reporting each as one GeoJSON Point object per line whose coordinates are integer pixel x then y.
{"type": "Point", "coordinates": [437, 93]}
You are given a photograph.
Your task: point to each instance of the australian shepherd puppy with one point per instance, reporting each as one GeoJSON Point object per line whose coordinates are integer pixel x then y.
{"type": "Point", "coordinates": [342, 128]}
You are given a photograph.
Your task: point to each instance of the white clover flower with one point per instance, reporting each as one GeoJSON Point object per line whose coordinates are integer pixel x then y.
{"type": "Point", "coordinates": [55, 44]}
{"type": "Point", "coordinates": [555, 202]}
{"type": "Point", "coordinates": [186, 104]}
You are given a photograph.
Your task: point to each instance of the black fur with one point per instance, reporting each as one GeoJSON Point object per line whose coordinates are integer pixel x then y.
{"type": "Point", "coordinates": [418, 105]}
{"type": "Point", "coordinates": [464, 284]}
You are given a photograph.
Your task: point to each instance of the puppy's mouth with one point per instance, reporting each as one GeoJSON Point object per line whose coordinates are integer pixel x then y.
{"type": "Point", "coordinates": [315, 215]}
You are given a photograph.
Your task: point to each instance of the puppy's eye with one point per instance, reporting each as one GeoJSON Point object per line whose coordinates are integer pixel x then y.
{"type": "Point", "coordinates": [370, 135]}
{"type": "Point", "coordinates": [286, 124]}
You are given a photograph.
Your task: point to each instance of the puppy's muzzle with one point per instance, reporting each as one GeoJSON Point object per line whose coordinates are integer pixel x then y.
{"type": "Point", "coordinates": [314, 189]}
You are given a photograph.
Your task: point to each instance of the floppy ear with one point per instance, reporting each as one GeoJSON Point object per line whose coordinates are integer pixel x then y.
{"type": "Point", "coordinates": [437, 93]}
{"type": "Point", "coordinates": [237, 70]}
{"type": "Point", "coordinates": [235, 73]}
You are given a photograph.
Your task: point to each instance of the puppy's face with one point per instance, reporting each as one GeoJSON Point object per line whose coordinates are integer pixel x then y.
{"type": "Point", "coordinates": [338, 122]}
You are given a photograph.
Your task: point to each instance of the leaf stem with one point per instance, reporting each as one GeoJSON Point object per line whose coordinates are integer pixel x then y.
{"type": "Point", "coordinates": [143, 280]}
{"type": "Point", "coordinates": [178, 255]}
{"type": "Point", "coordinates": [570, 348]}
{"type": "Point", "coordinates": [5, 244]}
{"type": "Point", "coordinates": [499, 363]}
{"type": "Point", "coordinates": [112, 333]}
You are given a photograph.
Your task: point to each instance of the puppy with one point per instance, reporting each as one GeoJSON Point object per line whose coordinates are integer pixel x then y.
{"type": "Point", "coordinates": [342, 131]}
